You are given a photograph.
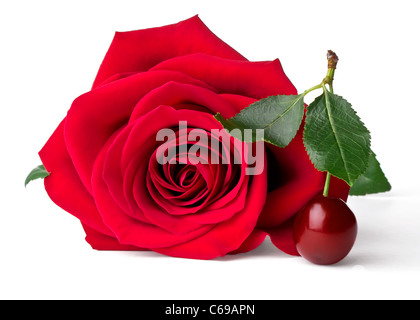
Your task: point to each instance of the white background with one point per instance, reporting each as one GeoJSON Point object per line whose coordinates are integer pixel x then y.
{"type": "Point", "coordinates": [50, 52]}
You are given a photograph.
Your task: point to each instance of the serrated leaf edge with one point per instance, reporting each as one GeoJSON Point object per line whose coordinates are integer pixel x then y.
{"type": "Point", "coordinates": [306, 149]}
{"type": "Point", "coordinates": [229, 120]}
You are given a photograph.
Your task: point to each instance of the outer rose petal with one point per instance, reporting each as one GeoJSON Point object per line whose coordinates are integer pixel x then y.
{"type": "Point", "coordinates": [293, 181]}
{"type": "Point", "coordinates": [100, 241]}
{"type": "Point", "coordinates": [136, 51]}
{"type": "Point", "coordinates": [252, 242]}
{"type": "Point", "coordinates": [253, 79]}
{"type": "Point", "coordinates": [64, 186]}
{"type": "Point", "coordinates": [180, 94]}
{"type": "Point", "coordinates": [339, 189]}
{"type": "Point", "coordinates": [282, 237]}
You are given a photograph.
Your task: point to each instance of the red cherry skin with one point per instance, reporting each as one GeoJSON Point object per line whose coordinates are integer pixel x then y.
{"type": "Point", "coordinates": [325, 230]}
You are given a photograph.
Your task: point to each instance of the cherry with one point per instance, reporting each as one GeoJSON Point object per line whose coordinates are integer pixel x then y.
{"type": "Point", "coordinates": [325, 230]}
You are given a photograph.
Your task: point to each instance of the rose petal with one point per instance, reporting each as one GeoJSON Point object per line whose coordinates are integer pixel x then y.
{"type": "Point", "coordinates": [238, 102]}
{"type": "Point", "coordinates": [293, 181]}
{"type": "Point", "coordinates": [113, 175]}
{"type": "Point", "coordinates": [117, 76]}
{"type": "Point", "coordinates": [252, 242]}
{"type": "Point", "coordinates": [338, 189]}
{"type": "Point", "coordinates": [176, 205]}
{"type": "Point", "coordinates": [156, 213]}
{"type": "Point", "coordinates": [213, 216]}
{"type": "Point", "coordinates": [64, 186]}
{"type": "Point", "coordinates": [282, 237]}
{"type": "Point", "coordinates": [186, 192]}
{"type": "Point", "coordinates": [181, 94]}
{"type": "Point", "coordinates": [140, 50]}
{"type": "Point", "coordinates": [100, 241]}
{"type": "Point", "coordinates": [253, 79]}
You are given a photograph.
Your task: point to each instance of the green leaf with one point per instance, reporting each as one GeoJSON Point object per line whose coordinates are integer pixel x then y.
{"type": "Point", "coordinates": [335, 138]}
{"type": "Point", "coordinates": [279, 116]}
{"type": "Point", "coordinates": [37, 173]}
{"type": "Point", "coordinates": [372, 181]}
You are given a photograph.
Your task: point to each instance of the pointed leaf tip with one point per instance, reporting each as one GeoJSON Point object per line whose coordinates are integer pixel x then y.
{"type": "Point", "coordinates": [37, 173]}
{"type": "Point", "coordinates": [372, 181]}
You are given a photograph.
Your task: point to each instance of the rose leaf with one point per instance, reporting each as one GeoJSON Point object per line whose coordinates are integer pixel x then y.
{"type": "Point", "coordinates": [37, 173]}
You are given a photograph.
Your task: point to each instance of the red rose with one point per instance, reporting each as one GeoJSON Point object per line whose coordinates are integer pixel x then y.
{"type": "Point", "coordinates": [103, 157]}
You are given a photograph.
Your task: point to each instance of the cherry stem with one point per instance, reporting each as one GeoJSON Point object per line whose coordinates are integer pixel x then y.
{"type": "Point", "coordinates": [332, 64]}
{"type": "Point", "coordinates": [327, 184]}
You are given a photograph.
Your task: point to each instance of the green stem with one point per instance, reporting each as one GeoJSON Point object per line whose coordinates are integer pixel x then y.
{"type": "Point", "coordinates": [329, 77]}
{"type": "Point", "coordinates": [332, 64]}
{"type": "Point", "coordinates": [312, 89]}
{"type": "Point", "coordinates": [327, 184]}
{"type": "Point", "coordinates": [331, 88]}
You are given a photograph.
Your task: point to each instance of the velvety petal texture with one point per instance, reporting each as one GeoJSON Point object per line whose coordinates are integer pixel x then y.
{"type": "Point", "coordinates": [143, 164]}
{"type": "Point", "coordinates": [139, 50]}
